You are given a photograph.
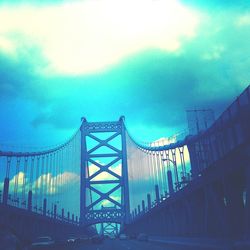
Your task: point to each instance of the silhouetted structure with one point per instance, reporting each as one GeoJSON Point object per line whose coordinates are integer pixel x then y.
{"type": "Point", "coordinates": [196, 187]}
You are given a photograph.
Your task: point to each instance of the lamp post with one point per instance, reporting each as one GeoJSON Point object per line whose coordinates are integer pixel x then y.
{"type": "Point", "coordinates": [169, 176]}
{"type": "Point", "coordinates": [54, 209]}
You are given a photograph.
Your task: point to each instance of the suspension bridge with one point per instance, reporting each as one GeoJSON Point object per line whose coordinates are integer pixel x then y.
{"type": "Point", "coordinates": [195, 185]}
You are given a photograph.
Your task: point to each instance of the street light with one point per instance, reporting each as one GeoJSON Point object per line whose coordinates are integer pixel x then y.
{"type": "Point", "coordinates": [169, 176]}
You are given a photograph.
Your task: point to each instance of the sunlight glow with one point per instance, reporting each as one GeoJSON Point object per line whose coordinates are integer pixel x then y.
{"type": "Point", "coordinates": [89, 36]}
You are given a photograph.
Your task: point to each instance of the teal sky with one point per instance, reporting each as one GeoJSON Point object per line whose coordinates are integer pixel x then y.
{"type": "Point", "coordinates": [148, 60]}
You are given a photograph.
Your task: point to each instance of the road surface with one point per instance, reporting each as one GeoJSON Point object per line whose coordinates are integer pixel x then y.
{"type": "Point", "coordinates": [123, 245]}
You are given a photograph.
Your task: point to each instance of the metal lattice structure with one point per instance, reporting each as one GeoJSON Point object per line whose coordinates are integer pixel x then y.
{"type": "Point", "coordinates": [97, 191]}
{"type": "Point", "coordinates": [109, 229]}
{"type": "Point", "coordinates": [162, 187]}
{"type": "Point", "coordinates": [199, 120]}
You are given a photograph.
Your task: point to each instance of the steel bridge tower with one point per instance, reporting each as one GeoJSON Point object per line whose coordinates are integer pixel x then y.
{"type": "Point", "coordinates": [103, 151]}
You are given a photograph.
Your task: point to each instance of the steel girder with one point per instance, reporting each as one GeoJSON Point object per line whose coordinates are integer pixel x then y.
{"type": "Point", "coordinates": [92, 196]}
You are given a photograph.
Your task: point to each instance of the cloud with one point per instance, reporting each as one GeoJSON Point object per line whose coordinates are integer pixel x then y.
{"type": "Point", "coordinates": [214, 53]}
{"type": "Point", "coordinates": [18, 76]}
{"type": "Point", "coordinates": [216, 5]}
{"type": "Point", "coordinates": [32, 2]}
{"type": "Point", "coordinates": [152, 86]}
{"type": "Point", "coordinates": [105, 175]}
{"type": "Point", "coordinates": [107, 203]}
{"type": "Point", "coordinates": [244, 20]}
{"type": "Point", "coordinates": [157, 87]}
{"type": "Point", "coordinates": [56, 183]}
{"type": "Point", "coordinates": [19, 178]}
{"type": "Point", "coordinates": [163, 141]}
{"type": "Point", "coordinates": [48, 180]}
{"type": "Point", "coordinates": [89, 36]}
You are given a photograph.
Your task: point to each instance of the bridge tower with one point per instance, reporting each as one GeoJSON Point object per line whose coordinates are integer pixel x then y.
{"type": "Point", "coordinates": [104, 173]}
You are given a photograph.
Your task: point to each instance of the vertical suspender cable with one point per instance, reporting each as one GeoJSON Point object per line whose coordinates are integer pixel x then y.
{"type": "Point", "coordinates": [163, 174]}
{"type": "Point", "coordinates": [159, 173]}
{"type": "Point", "coordinates": [8, 167]}
{"type": "Point", "coordinates": [50, 183]}
{"type": "Point", "coordinates": [31, 173]}
{"type": "Point", "coordinates": [175, 168]}
{"type": "Point", "coordinates": [37, 179]}
{"type": "Point", "coordinates": [54, 179]}
{"type": "Point", "coordinates": [41, 183]}
{"type": "Point", "coordinates": [7, 176]}
{"type": "Point", "coordinates": [16, 200]}
{"type": "Point", "coordinates": [24, 179]}
{"type": "Point", "coordinates": [46, 177]}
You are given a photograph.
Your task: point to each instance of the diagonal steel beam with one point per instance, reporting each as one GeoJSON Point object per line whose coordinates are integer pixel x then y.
{"type": "Point", "coordinates": [103, 143]}
{"type": "Point", "coordinates": [104, 196]}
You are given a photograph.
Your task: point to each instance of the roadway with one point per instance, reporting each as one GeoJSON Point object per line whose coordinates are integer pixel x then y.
{"type": "Point", "coordinates": [123, 245]}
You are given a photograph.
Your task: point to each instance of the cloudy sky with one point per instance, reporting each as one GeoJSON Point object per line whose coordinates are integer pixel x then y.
{"type": "Point", "coordinates": [149, 60]}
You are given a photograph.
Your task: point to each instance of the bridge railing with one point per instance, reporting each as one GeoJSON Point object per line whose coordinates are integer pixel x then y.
{"type": "Point", "coordinates": [42, 182]}
{"type": "Point", "coordinates": [156, 171]}
{"type": "Point", "coordinates": [185, 159]}
{"type": "Point", "coordinates": [228, 132]}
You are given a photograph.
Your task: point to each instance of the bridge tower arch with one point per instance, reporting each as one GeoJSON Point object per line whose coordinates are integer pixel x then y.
{"type": "Point", "coordinates": [103, 151]}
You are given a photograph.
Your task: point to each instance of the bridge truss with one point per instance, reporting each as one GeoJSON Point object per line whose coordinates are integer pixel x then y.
{"type": "Point", "coordinates": [119, 180]}
{"type": "Point", "coordinates": [104, 173]}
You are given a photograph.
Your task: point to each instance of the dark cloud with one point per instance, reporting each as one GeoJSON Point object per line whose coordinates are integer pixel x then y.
{"type": "Point", "coordinates": [153, 88]}
{"type": "Point", "coordinates": [13, 77]}
{"type": "Point", "coordinates": [19, 77]}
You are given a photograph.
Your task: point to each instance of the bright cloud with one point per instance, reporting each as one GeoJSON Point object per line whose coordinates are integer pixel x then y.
{"type": "Point", "coordinates": [7, 46]}
{"type": "Point", "coordinates": [163, 141]}
{"type": "Point", "coordinates": [244, 20]}
{"type": "Point", "coordinates": [104, 175]}
{"type": "Point", "coordinates": [89, 36]}
{"type": "Point", "coordinates": [19, 179]}
{"type": "Point", "coordinates": [53, 183]}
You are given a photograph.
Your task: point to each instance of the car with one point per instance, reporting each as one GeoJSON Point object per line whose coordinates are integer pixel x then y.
{"type": "Point", "coordinates": [142, 237]}
{"type": "Point", "coordinates": [123, 237]}
{"type": "Point", "coordinates": [73, 240]}
{"type": "Point", "coordinates": [44, 242]}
